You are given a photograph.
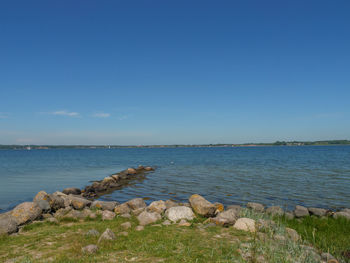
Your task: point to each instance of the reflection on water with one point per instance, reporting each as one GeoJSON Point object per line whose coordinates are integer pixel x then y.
{"type": "Point", "coordinates": [311, 176]}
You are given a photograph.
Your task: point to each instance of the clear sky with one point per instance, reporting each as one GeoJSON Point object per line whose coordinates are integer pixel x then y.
{"type": "Point", "coordinates": [168, 72]}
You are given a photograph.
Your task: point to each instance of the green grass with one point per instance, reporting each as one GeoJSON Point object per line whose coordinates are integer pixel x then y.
{"type": "Point", "coordinates": [63, 241]}
{"type": "Point", "coordinates": [327, 234]}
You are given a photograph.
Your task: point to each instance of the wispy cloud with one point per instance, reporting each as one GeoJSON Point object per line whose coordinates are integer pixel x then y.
{"type": "Point", "coordinates": [66, 113]}
{"type": "Point", "coordinates": [123, 117]}
{"type": "Point", "coordinates": [101, 115]}
{"type": "Point", "coordinates": [4, 115]}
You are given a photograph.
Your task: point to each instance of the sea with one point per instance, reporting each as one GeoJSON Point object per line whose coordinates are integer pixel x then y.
{"type": "Point", "coordinates": [313, 176]}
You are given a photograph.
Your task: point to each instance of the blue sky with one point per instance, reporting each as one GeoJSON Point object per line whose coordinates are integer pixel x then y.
{"type": "Point", "coordinates": [167, 72]}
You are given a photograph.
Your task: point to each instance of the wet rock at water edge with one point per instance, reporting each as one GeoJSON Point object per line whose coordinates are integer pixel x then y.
{"type": "Point", "coordinates": [275, 211]}
{"type": "Point", "coordinates": [72, 190]}
{"type": "Point", "coordinates": [136, 203]}
{"type": "Point", "coordinates": [202, 206]}
{"type": "Point", "coordinates": [257, 207]}
{"type": "Point", "coordinates": [301, 211]}
{"type": "Point", "coordinates": [317, 211]}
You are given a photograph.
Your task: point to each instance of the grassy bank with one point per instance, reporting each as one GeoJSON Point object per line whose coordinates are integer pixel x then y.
{"type": "Point", "coordinates": [63, 241]}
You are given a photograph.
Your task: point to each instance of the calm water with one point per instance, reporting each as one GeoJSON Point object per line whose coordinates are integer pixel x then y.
{"type": "Point", "coordinates": [311, 176]}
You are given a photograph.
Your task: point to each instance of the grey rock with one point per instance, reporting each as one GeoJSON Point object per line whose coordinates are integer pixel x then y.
{"type": "Point", "coordinates": [166, 223]}
{"type": "Point", "coordinates": [122, 209]}
{"type": "Point", "coordinates": [126, 225]}
{"type": "Point", "coordinates": [256, 207]}
{"type": "Point", "coordinates": [317, 211]}
{"type": "Point", "coordinates": [92, 232]}
{"type": "Point", "coordinates": [57, 202]}
{"type": "Point", "coordinates": [136, 212]}
{"type": "Point", "coordinates": [125, 216]}
{"type": "Point", "coordinates": [226, 218]}
{"type": "Point", "coordinates": [292, 234]}
{"type": "Point", "coordinates": [90, 249]}
{"type": "Point", "coordinates": [289, 215]}
{"type": "Point", "coordinates": [8, 224]}
{"type": "Point", "coordinates": [44, 205]}
{"type": "Point", "coordinates": [202, 206]}
{"type": "Point", "coordinates": [157, 206]}
{"type": "Point", "coordinates": [62, 212]}
{"type": "Point", "coordinates": [108, 215]}
{"type": "Point", "coordinates": [170, 203]}
{"type": "Point", "coordinates": [72, 190]}
{"type": "Point", "coordinates": [104, 205]}
{"type": "Point", "coordinates": [146, 218]}
{"type": "Point", "coordinates": [301, 211]}
{"type": "Point", "coordinates": [79, 203]}
{"type": "Point", "coordinates": [237, 208]}
{"type": "Point", "coordinates": [179, 212]}
{"type": "Point", "coordinates": [136, 203]}
{"type": "Point", "coordinates": [26, 212]}
{"type": "Point", "coordinates": [275, 211]}
{"type": "Point", "coordinates": [341, 214]}
{"type": "Point", "coordinates": [139, 228]}
{"type": "Point", "coordinates": [107, 235]}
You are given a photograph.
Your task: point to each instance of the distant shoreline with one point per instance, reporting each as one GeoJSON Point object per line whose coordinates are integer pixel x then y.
{"type": "Point", "coordinates": [278, 143]}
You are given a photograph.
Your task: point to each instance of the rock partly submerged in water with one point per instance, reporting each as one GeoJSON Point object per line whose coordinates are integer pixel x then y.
{"type": "Point", "coordinates": [72, 190]}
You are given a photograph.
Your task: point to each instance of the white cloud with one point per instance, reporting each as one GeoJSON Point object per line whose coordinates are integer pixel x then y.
{"type": "Point", "coordinates": [101, 115]}
{"type": "Point", "coordinates": [66, 113]}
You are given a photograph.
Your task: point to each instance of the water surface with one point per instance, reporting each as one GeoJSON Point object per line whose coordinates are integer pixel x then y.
{"type": "Point", "coordinates": [310, 175]}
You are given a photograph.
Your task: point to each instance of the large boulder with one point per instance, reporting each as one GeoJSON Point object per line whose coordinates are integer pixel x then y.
{"type": "Point", "coordinates": [170, 203]}
{"type": "Point", "coordinates": [245, 224]}
{"type": "Point", "coordinates": [146, 218]}
{"type": "Point", "coordinates": [136, 203]}
{"type": "Point", "coordinates": [301, 211]}
{"type": "Point", "coordinates": [257, 207]}
{"type": "Point", "coordinates": [122, 209]}
{"type": "Point", "coordinates": [42, 199]}
{"type": "Point", "coordinates": [8, 224]}
{"type": "Point", "coordinates": [65, 198]}
{"type": "Point", "coordinates": [317, 211]}
{"type": "Point", "coordinates": [157, 206]}
{"type": "Point", "coordinates": [57, 202]}
{"type": "Point", "coordinates": [202, 206]}
{"type": "Point", "coordinates": [72, 191]}
{"type": "Point", "coordinates": [179, 212]}
{"type": "Point", "coordinates": [225, 218]}
{"type": "Point", "coordinates": [275, 211]}
{"type": "Point", "coordinates": [104, 205]}
{"type": "Point", "coordinates": [78, 202]}
{"type": "Point", "coordinates": [131, 171]}
{"type": "Point", "coordinates": [26, 212]}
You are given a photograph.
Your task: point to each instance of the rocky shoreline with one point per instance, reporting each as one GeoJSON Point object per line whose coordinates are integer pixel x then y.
{"type": "Point", "coordinates": [77, 204]}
